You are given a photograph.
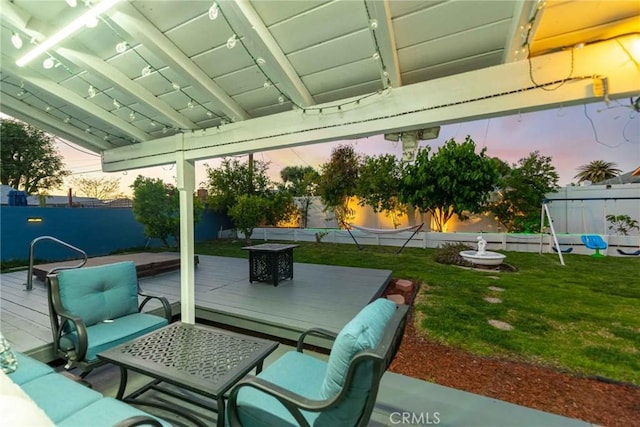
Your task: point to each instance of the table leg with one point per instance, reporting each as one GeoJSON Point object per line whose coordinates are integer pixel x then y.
{"type": "Point", "coordinates": [221, 412]}
{"type": "Point", "coordinates": [123, 383]}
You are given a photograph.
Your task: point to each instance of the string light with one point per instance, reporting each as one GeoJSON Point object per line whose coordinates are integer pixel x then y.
{"type": "Point", "coordinates": [231, 41]}
{"type": "Point", "coordinates": [16, 40]}
{"type": "Point", "coordinates": [67, 120]}
{"type": "Point", "coordinates": [190, 105]}
{"type": "Point", "coordinates": [260, 61]}
{"type": "Point", "coordinates": [281, 100]}
{"type": "Point", "coordinates": [116, 104]}
{"type": "Point", "coordinates": [121, 47]}
{"type": "Point", "coordinates": [213, 11]}
{"type": "Point", "coordinates": [146, 71]}
{"type": "Point", "coordinates": [48, 63]}
{"type": "Point", "coordinates": [132, 116]}
{"type": "Point", "coordinates": [92, 92]}
{"type": "Point", "coordinates": [175, 86]}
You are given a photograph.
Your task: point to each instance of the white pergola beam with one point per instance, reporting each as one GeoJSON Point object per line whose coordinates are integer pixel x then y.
{"type": "Point", "coordinates": [130, 20]}
{"type": "Point", "coordinates": [385, 36]}
{"type": "Point", "coordinates": [22, 111]}
{"type": "Point", "coordinates": [523, 12]}
{"type": "Point", "coordinates": [245, 20]}
{"type": "Point", "coordinates": [74, 99]}
{"type": "Point", "coordinates": [490, 92]}
{"type": "Point", "coordinates": [118, 79]}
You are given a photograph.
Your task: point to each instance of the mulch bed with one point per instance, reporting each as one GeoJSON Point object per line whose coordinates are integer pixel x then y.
{"type": "Point", "coordinates": [525, 384]}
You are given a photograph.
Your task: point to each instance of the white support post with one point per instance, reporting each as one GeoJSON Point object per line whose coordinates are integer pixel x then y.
{"type": "Point", "coordinates": [186, 186]}
{"type": "Point", "coordinates": [553, 232]}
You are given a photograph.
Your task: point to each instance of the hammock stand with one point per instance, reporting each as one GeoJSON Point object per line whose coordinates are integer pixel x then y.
{"type": "Point", "coordinates": [416, 228]}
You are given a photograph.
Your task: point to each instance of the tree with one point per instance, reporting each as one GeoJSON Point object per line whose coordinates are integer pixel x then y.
{"type": "Point", "coordinates": [596, 171]}
{"type": "Point", "coordinates": [233, 179]}
{"type": "Point", "coordinates": [522, 190]}
{"type": "Point", "coordinates": [379, 184]}
{"type": "Point", "coordinates": [100, 188]}
{"type": "Point", "coordinates": [156, 206]}
{"type": "Point", "coordinates": [230, 186]}
{"type": "Point", "coordinates": [29, 159]}
{"type": "Point", "coordinates": [301, 182]}
{"type": "Point", "coordinates": [338, 181]}
{"type": "Point", "coordinates": [455, 180]}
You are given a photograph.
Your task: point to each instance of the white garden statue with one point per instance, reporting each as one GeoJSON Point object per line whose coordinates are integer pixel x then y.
{"type": "Point", "coordinates": [482, 245]}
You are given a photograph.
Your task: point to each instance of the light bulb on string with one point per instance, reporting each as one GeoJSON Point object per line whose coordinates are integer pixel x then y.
{"type": "Point", "coordinates": [48, 108]}
{"type": "Point", "coordinates": [153, 124]}
{"type": "Point", "coordinates": [116, 104]}
{"type": "Point", "coordinates": [175, 86]}
{"type": "Point", "coordinates": [67, 120]}
{"type": "Point", "coordinates": [209, 114]}
{"type": "Point", "coordinates": [376, 56]}
{"type": "Point", "coordinates": [106, 138]}
{"type": "Point", "coordinates": [281, 100]}
{"type": "Point", "coordinates": [16, 40]}
{"type": "Point", "coordinates": [92, 23]}
{"type": "Point", "coordinates": [132, 116]}
{"type": "Point", "coordinates": [260, 61]}
{"type": "Point", "coordinates": [266, 85]}
{"type": "Point", "coordinates": [213, 11]}
{"type": "Point", "coordinates": [146, 71]}
{"type": "Point", "coordinates": [231, 42]}
{"type": "Point", "coordinates": [92, 92]}
{"type": "Point", "coordinates": [190, 105]}
{"type": "Point", "coordinates": [20, 93]}
{"type": "Point", "coordinates": [121, 47]}
{"type": "Point", "coordinates": [48, 63]}
{"type": "Point", "coordinates": [373, 24]}
{"type": "Point", "coordinates": [88, 130]}
{"type": "Point", "coordinates": [165, 130]}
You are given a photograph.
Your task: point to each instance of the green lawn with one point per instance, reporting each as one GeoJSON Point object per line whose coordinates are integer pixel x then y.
{"type": "Point", "coordinates": [584, 317]}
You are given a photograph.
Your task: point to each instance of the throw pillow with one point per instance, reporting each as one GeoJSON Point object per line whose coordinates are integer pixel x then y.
{"type": "Point", "coordinates": [8, 360]}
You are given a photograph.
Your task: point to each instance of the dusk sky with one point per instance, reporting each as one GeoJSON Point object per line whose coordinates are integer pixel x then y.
{"type": "Point", "coordinates": [565, 134]}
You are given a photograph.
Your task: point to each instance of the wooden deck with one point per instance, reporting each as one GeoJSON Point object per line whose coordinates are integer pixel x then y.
{"type": "Point", "coordinates": [317, 296]}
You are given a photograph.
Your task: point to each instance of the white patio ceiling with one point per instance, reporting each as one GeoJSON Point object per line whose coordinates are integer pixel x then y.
{"type": "Point", "coordinates": [290, 54]}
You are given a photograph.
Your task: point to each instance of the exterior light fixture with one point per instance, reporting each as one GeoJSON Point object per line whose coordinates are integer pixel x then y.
{"type": "Point", "coordinates": [66, 32]}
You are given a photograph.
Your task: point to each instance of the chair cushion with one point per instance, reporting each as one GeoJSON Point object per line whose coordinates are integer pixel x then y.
{"type": "Point", "coordinates": [100, 293]}
{"type": "Point", "coordinates": [103, 336]}
{"type": "Point", "coordinates": [58, 396]}
{"type": "Point", "coordinates": [296, 372]}
{"type": "Point", "coordinates": [105, 412]}
{"type": "Point", "coordinates": [8, 360]}
{"type": "Point", "coordinates": [28, 369]}
{"type": "Point", "coordinates": [361, 333]}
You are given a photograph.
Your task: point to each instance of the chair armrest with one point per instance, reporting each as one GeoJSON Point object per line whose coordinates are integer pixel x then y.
{"type": "Point", "coordinates": [80, 328]}
{"type": "Point", "coordinates": [317, 332]}
{"type": "Point", "coordinates": [149, 296]}
{"type": "Point", "coordinates": [139, 420]}
{"type": "Point", "coordinates": [292, 401]}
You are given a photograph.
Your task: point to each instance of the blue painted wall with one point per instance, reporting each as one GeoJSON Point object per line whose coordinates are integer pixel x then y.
{"type": "Point", "coordinates": [96, 231]}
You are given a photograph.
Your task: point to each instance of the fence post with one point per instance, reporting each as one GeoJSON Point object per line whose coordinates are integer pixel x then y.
{"type": "Point", "coordinates": [504, 242]}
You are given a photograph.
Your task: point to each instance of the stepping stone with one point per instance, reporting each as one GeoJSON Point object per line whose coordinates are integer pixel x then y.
{"type": "Point", "coordinates": [492, 300]}
{"type": "Point", "coordinates": [398, 299]}
{"type": "Point", "coordinates": [495, 289]}
{"type": "Point", "coordinates": [404, 285]}
{"type": "Point", "coordinates": [504, 326]}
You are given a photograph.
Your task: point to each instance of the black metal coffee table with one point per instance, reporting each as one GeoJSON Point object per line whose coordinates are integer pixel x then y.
{"type": "Point", "coordinates": [270, 262]}
{"type": "Point", "coordinates": [202, 359]}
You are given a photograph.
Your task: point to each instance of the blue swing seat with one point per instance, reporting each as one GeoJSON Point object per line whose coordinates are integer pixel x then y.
{"type": "Point", "coordinates": [594, 241]}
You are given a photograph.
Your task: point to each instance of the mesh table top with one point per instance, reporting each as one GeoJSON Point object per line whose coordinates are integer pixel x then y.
{"type": "Point", "coordinates": [203, 359]}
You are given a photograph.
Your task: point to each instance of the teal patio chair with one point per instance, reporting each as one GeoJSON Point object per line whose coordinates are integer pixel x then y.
{"type": "Point", "coordinates": [93, 309]}
{"type": "Point", "coordinates": [301, 390]}
{"type": "Point", "coordinates": [594, 241]}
